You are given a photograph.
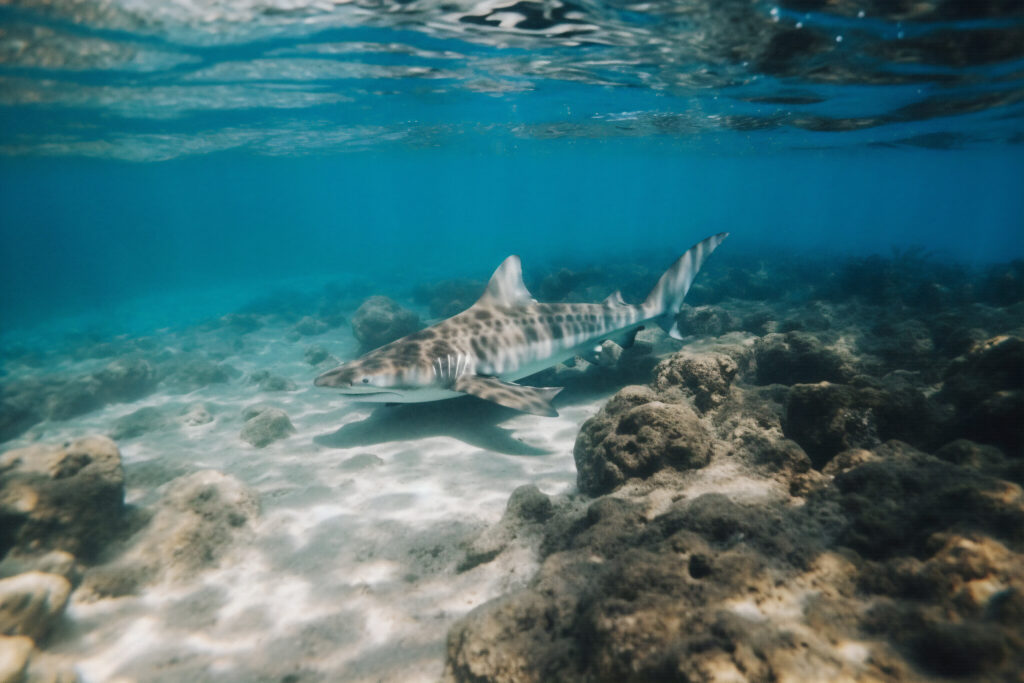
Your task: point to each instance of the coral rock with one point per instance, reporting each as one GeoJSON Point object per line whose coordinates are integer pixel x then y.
{"type": "Point", "coordinates": [14, 655]}
{"type": "Point", "coordinates": [266, 426]}
{"type": "Point", "coordinates": [626, 440]}
{"type": "Point", "coordinates": [380, 320]}
{"type": "Point", "coordinates": [706, 377]}
{"type": "Point", "coordinates": [797, 358]}
{"type": "Point", "coordinates": [31, 603]}
{"type": "Point", "coordinates": [67, 497]}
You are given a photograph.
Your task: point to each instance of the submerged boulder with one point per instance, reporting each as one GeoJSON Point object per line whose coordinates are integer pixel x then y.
{"type": "Point", "coordinates": [381, 320]}
{"type": "Point", "coordinates": [68, 497]}
{"type": "Point", "coordinates": [31, 603]}
{"type": "Point", "coordinates": [190, 529]}
{"type": "Point", "coordinates": [635, 435]}
{"type": "Point", "coordinates": [265, 425]}
{"type": "Point", "coordinates": [987, 389]}
{"type": "Point", "coordinates": [15, 652]}
{"type": "Point", "coordinates": [316, 354]}
{"type": "Point", "coordinates": [797, 358]}
{"type": "Point", "coordinates": [706, 376]}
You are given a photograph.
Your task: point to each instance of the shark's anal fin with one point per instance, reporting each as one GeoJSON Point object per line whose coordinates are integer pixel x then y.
{"type": "Point", "coordinates": [535, 400]}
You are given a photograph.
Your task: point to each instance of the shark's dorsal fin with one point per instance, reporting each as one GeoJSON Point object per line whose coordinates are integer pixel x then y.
{"type": "Point", "coordinates": [506, 287]}
{"type": "Point", "coordinates": [615, 299]}
{"type": "Point", "coordinates": [535, 400]}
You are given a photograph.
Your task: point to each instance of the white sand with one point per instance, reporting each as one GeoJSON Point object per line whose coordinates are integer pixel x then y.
{"type": "Point", "coordinates": [350, 573]}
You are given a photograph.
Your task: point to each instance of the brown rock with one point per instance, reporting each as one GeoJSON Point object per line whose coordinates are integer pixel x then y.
{"type": "Point", "coordinates": [68, 497]}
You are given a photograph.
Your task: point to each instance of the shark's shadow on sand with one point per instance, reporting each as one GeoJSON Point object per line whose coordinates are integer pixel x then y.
{"type": "Point", "coordinates": [467, 419]}
{"type": "Point", "coordinates": [475, 422]}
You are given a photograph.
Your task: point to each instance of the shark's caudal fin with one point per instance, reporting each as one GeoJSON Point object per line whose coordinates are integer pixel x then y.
{"type": "Point", "coordinates": [667, 296]}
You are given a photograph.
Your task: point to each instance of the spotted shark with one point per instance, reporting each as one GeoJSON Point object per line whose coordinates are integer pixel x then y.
{"type": "Point", "coordinates": [507, 335]}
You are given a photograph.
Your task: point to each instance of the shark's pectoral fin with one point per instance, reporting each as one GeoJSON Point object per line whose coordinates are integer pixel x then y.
{"type": "Point", "coordinates": [535, 400]}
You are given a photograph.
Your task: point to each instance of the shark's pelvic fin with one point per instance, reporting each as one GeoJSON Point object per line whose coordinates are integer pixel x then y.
{"type": "Point", "coordinates": [506, 287]}
{"type": "Point", "coordinates": [667, 296]}
{"type": "Point", "coordinates": [535, 400]}
{"type": "Point", "coordinates": [627, 339]}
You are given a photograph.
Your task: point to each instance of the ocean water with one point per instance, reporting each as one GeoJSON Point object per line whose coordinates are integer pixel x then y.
{"type": "Point", "coordinates": [163, 165]}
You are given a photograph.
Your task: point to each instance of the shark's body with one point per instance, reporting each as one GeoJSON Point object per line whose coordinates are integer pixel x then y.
{"type": "Point", "coordinates": [507, 335]}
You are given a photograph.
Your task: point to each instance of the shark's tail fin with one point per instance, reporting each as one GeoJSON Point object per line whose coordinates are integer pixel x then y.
{"type": "Point", "coordinates": [666, 298]}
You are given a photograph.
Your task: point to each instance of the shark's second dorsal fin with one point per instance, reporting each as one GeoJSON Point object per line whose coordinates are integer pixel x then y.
{"type": "Point", "coordinates": [506, 287]}
{"type": "Point", "coordinates": [615, 299]}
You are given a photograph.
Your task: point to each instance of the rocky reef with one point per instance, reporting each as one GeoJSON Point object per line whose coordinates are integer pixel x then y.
{"type": "Point", "coordinates": [828, 490]}
{"type": "Point", "coordinates": [66, 529]}
{"type": "Point", "coordinates": [822, 482]}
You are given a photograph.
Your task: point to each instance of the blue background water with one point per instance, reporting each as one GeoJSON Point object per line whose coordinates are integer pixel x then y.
{"type": "Point", "coordinates": [197, 165]}
{"type": "Point", "coordinates": [81, 233]}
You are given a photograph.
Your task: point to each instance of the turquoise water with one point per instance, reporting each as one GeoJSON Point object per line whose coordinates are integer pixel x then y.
{"type": "Point", "coordinates": [157, 151]}
{"type": "Point", "coordinates": [199, 198]}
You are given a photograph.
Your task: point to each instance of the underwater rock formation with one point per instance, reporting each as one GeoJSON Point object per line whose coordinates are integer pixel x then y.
{"type": "Point", "coordinates": [265, 424]}
{"type": "Point", "coordinates": [706, 377]}
{"type": "Point", "coordinates": [635, 435]}
{"type": "Point", "coordinates": [797, 358]}
{"type": "Point", "coordinates": [190, 529]}
{"type": "Point", "coordinates": [31, 603]}
{"type": "Point", "coordinates": [986, 388]}
{"type": "Point", "coordinates": [68, 497]}
{"type": "Point", "coordinates": [316, 354]}
{"type": "Point", "coordinates": [847, 520]}
{"type": "Point", "coordinates": [380, 320]}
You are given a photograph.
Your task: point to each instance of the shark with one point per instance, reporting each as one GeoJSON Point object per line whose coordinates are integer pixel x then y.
{"type": "Point", "coordinates": [508, 335]}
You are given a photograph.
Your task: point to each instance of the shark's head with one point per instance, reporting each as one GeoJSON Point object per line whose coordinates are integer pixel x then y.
{"type": "Point", "coordinates": [365, 376]}
{"type": "Point", "coordinates": [383, 375]}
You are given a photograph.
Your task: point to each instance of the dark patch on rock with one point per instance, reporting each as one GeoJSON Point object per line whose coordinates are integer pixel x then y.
{"type": "Point", "coordinates": [529, 504]}
{"type": "Point", "coordinates": [827, 418]}
{"type": "Point", "coordinates": [797, 358]}
{"type": "Point", "coordinates": [706, 321]}
{"type": "Point", "coordinates": [986, 386]}
{"type": "Point", "coordinates": [895, 503]}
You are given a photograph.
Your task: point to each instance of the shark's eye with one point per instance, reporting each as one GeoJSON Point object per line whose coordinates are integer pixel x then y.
{"type": "Point", "coordinates": [366, 380]}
